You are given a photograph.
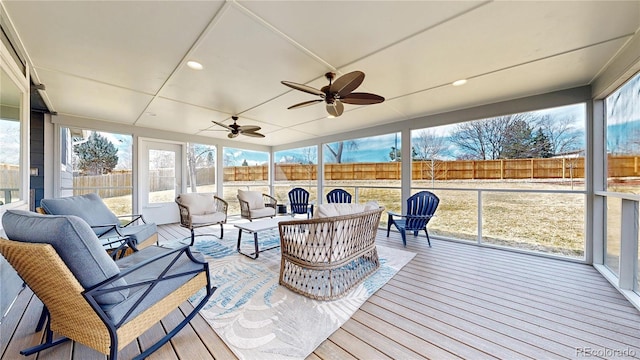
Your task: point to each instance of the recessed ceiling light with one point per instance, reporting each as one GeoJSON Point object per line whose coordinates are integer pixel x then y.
{"type": "Point", "coordinates": [459, 82]}
{"type": "Point", "coordinates": [194, 65]}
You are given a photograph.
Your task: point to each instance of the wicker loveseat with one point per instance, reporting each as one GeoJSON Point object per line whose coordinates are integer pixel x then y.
{"type": "Point", "coordinates": [324, 257]}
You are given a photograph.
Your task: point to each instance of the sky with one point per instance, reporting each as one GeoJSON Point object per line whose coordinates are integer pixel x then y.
{"type": "Point", "coordinates": [377, 148]}
{"type": "Point", "coordinates": [372, 149]}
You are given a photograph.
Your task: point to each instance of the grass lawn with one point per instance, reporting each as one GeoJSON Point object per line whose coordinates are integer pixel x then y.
{"type": "Point", "coordinates": [546, 222]}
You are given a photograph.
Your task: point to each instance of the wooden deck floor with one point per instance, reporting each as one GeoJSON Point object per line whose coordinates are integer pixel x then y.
{"type": "Point", "coordinates": [451, 301]}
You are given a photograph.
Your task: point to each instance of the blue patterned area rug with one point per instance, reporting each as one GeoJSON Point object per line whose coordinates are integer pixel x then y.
{"type": "Point", "coordinates": [259, 319]}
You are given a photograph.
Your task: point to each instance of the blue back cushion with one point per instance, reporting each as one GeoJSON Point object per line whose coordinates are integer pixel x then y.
{"type": "Point", "coordinates": [89, 207]}
{"type": "Point", "coordinates": [74, 241]}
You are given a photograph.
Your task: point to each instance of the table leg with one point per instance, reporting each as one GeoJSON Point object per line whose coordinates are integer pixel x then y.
{"type": "Point", "coordinates": [255, 239]}
{"type": "Point", "coordinates": [257, 251]}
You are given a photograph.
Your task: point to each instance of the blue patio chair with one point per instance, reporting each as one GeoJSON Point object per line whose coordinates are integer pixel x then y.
{"type": "Point", "coordinates": [299, 202]}
{"type": "Point", "coordinates": [421, 207]}
{"type": "Point", "coordinates": [338, 196]}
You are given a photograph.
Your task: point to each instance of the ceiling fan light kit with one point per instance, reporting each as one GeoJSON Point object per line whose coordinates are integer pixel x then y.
{"type": "Point", "coordinates": [337, 93]}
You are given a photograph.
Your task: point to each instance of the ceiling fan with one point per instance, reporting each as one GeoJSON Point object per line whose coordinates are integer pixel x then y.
{"type": "Point", "coordinates": [337, 92]}
{"type": "Point", "coordinates": [235, 129]}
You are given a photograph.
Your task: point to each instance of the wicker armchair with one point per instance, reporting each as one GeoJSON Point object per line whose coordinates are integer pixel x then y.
{"type": "Point", "coordinates": [200, 210]}
{"type": "Point", "coordinates": [325, 257]}
{"type": "Point", "coordinates": [255, 205]}
{"type": "Point", "coordinates": [91, 299]}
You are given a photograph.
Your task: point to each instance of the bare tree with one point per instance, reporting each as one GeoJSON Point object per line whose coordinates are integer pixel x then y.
{"type": "Point", "coordinates": [228, 159]}
{"type": "Point", "coordinates": [561, 132]}
{"type": "Point", "coordinates": [428, 145]}
{"type": "Point", "coordinates": [623, 112]}
{"type": "Point", "coordinates": [337, 149]}
{"type": "Point", "coordinates": [485, 139]}
{"type": "Point", "coordinates": [198, 155]}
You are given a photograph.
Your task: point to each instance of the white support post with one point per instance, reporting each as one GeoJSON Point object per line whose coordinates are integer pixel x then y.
{"type": "Point", "coordinates": [405, 168]}
{"type": "Point", "coordinates": [320, 174]}
{"type": "Point", "coordinates": [628, 244]}
{"type": "Point", "coordinates": [479, 216]}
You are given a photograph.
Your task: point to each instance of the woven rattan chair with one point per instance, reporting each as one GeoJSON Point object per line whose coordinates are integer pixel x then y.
{"type": "Point", "coordinates": [256, 205]}
{"type": "Point", "coordinates": [338, 196]}
{"type": "Point", "coordinates": [92, 299]}
{"type": "Point", "coordinates": [201, 210]}
{"type": "Point", "coordinates": [421, 207]}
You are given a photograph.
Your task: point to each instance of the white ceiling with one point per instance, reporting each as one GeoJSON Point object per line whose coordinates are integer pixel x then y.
{"type": "Point", "coordinates": [124, 61]}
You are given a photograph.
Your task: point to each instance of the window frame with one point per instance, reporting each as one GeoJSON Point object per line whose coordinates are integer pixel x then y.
{"type": "Point", "coordinates": [21, 80]}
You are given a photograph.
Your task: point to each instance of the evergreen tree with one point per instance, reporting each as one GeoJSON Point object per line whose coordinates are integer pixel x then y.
{"type": "Point", "coordinates": [96, 156]}
{"type": "Point", "coordinates": [245, 163]}
{"type": "Point", "coordinates": [542, 146]}
{"type": "Point", "coordinates": [517, 142]}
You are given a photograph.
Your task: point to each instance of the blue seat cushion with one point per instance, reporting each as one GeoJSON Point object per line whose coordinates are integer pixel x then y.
{"type": "Point", "coordinates": [74, 241]}
{"type": "Point", "coordinates": [151, 271]}
{"type": "Point", "coordinates": [137, 233]}
{"type": "Point", "coordinates": [89, 207]}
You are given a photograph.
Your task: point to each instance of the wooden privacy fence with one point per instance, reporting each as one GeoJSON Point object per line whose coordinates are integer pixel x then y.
{"type": "Point", "coordinates": [120, 183]}
{"type": "Point", "coordinates": [443, 170]}
{"type": "Point", "coordinates": [550, 168]}
{"type": "Point", "coordinates": [536, 168]}
{"type": "Point", "coordinates": [246, 173]}
{"type": "Point", "coordinates": [9, 176]}
{"type": "Point", "coordinates": [117, 183]}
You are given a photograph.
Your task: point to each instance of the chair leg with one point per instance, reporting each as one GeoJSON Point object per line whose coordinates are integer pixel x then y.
{"type": "Point", "coordinates": [176, 329]}
{"type": "Point", "coordinates": [388, 227]}
{"type": "Point", "coordinates": [43, 318]}
{"type": "Point", "coordinates": [428, 240]}
{"type": "Point", "coordinates": [193, 237]}
{"type": "Point", "coordinates": [403, 232]}
{"type": "Point", "coordinates": [221, 231]}
{"type": "Point", "coordinates": [49, 342]}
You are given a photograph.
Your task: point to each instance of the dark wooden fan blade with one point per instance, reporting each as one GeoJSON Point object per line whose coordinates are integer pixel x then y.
{"type": "Point", "coordinates": [346, 83]}
{"type": "Point", "coordinates": [335, 109]}
{"type": "Point", "coordinates": [302, 87]}
{"type": "Point", "coordinates": [245, 128]}
{"type": "Point", "coordinates": [303, 104]}
{"type": "Point", "coordinates": [362, 99]}
{"type": "Point", "coordinates": [223, 125]}
{"type": "Point", "coordinates": [252, 134]}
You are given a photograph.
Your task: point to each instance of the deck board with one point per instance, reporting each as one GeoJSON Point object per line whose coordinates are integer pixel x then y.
{"type": "Point", "coordinates": [453, 300]}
